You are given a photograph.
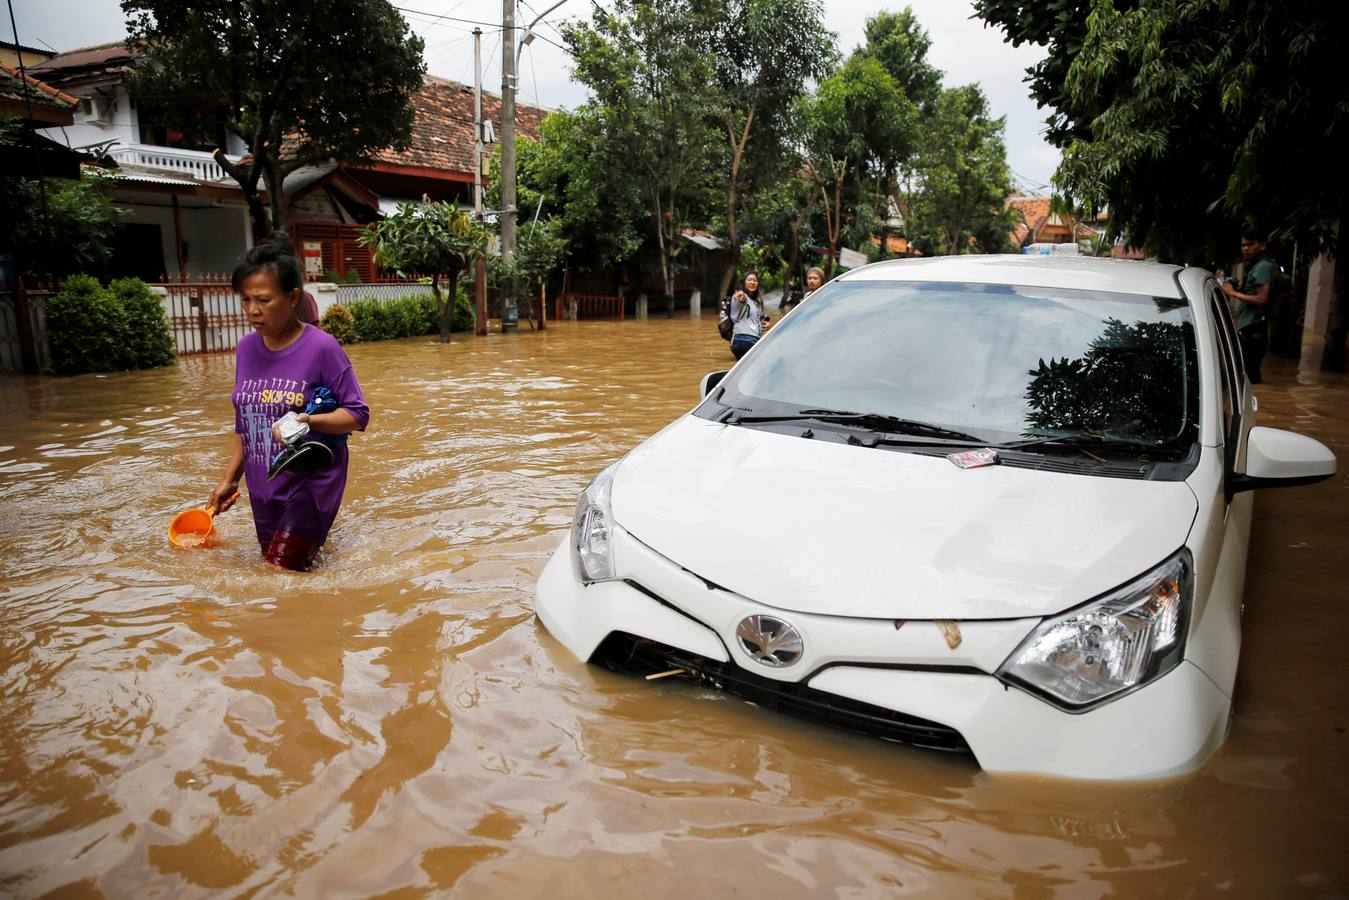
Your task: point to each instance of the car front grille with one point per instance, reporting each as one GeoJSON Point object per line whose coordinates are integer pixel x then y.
{"type": "Point", "coordinates": [626, 653]}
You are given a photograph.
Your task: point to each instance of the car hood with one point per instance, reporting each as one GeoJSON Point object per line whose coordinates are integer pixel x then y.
{"type": "Point", "coordinates": [823, 527]}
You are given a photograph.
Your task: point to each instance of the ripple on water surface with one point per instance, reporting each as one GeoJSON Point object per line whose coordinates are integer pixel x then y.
{"type": "Point", "coordinates": [190, 721]}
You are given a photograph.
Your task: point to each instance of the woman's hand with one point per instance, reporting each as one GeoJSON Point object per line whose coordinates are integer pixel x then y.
{"type": "Point", "coordinates": [740, 296]}
{"type": "Point", "coordinates": [223, 495]}
{"type": "Point", "coordinates": [276, 431]}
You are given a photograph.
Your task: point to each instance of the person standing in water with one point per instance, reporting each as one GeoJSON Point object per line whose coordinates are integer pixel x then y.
{"type": "Point", "coordinates": [746, 314]}
{"type": "Point", "coordinates": [814, 281]}
{"type": "Point", "coordinates": [279, 369]}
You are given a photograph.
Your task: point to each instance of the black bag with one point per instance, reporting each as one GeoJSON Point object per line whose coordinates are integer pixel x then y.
{"type": "Point", "coordinates": [725, 327]}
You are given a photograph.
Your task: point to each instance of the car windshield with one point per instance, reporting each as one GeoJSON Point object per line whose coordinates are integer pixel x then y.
{"type": "Point", "coordinates": [1002, 362]}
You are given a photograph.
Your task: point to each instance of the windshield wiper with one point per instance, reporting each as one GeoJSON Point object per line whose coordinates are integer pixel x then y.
{"type": "Point", "coordinates": [1082, 441]}
{"type": "Point", "coordinates": [878, 422]}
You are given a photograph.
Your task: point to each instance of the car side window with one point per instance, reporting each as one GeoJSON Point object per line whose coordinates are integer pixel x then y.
{"type": "Point", "coordinates": [1229, 331]}
{"type": "Point", "coordinates": [1229, 364]}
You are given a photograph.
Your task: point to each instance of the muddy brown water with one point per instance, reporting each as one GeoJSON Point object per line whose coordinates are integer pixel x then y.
{"type": "Point", "coordinates": [184, 723]}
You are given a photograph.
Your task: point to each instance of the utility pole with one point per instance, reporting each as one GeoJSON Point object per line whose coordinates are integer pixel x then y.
{"type": "Point", "coordinates": [480, 265]}
{"type": "Point", "coordinates": [510, 315]}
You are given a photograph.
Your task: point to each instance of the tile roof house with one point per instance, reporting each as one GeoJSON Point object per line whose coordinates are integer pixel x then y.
{"type": "Point", "coordinates": [38, 102]}
{"type": "Point", "coordinates": [183, 206]}
{"type": "Point", "coordinates": [36, 105]}
{"type": "Point", "coordinates": [1037, 223]}
{"type": "Point", "coordinates": [441, 145]}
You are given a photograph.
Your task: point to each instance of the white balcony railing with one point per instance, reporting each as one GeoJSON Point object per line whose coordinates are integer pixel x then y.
{"type": "Point", "coordinates": [192, 163]}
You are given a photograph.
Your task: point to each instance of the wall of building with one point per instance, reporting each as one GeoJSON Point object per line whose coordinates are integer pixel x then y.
{"type": "Point", "coordinates": [119, 123]}
{"type": "Point", "coordinates": [216, 237]}
{"type": "Point", "coordinates": [10, 56]}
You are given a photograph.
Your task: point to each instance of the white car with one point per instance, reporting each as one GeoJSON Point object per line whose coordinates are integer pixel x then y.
{"type": "Point", "coordinates": [997, 505]}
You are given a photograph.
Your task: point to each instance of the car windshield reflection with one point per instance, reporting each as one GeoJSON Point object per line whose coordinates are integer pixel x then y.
{"type": "Point", "coordinates": [1006, 363]}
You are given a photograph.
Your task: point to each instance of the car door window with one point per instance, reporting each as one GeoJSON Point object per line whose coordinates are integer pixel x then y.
{"type": "Point", "coordinates": [1229, 365]}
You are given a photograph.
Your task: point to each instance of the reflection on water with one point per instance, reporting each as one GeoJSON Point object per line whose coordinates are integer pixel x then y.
{"type": "Point", "coordinates": [187, 721]}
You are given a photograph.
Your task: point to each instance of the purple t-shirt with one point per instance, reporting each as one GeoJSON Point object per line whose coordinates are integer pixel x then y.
{"type": "Point", "coordinates": [267, 385]}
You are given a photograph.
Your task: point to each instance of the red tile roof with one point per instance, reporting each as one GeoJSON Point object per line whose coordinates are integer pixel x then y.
{"type": "Point", "coordinates": [442, 135]}
{"type": "Point", "coordinates": [40, 93]}
{"type": "Point", "coordinates": [1030, 213]}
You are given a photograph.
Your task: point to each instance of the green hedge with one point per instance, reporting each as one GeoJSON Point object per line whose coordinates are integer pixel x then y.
{"type": "Point", "coordinates": [91, 328]}
{"type": "Point", "coordinates": [412, 315]}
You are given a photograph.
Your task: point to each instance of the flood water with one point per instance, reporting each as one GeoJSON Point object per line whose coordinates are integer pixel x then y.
{"type": "Point", "coordinates": [189, 722]}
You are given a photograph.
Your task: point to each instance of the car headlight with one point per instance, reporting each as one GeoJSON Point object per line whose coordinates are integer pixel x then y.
{"type": "Point", "coordinates": [1113, 645]}
{"type": "Point", "coordinates": [592, 550]}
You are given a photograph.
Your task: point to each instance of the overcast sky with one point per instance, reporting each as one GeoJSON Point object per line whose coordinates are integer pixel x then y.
{"type": "Point", "coordinates": [961, 47]}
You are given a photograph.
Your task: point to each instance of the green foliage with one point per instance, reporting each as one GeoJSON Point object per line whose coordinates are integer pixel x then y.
{"type": "Point", "coordinates": [765, 53]}
{"type": "Point", "coordinates": [412, 315]}
{"type": "Point", "coordinates": [1185, 117]}
{"type": "Point", "coordinates": [95, 329]}
{"type": "Point", "coordinates": [147, 341]}
{"type": "Point", "coordinates": [429, 239]}
{"type": "Point", "coordinates": [539, 250]}
{"type": "Point", "coordinates": [338, 321]}
{"type": "Point", "coordinates": [647, 66]}
{"type": "Point", "coordinates": [962, 178]}
{"type": "Point", "coordinates": [899, 43]}
{"type": "Point", "coordinates": [584, 184]}
{"type": "Point", "coordinates": [84, 328]}
{"type": "Point", "coordinates": [859, 127]}
{"type": "Point", "coordinates": [261, 71]}
{"type": "Point", "coordinates": [74, 232]}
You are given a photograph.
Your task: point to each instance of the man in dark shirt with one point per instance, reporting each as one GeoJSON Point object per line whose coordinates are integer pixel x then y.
{"type": "Point", "coordinates": [1253, 299]}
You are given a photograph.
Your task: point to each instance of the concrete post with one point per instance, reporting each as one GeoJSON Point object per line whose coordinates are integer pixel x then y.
{"type": "Point", "coordinates": [641, 306]}
{"type": "Point", "coordinates": [1320, 284]}
{"type": "Point", "coordinates": [696, 303]}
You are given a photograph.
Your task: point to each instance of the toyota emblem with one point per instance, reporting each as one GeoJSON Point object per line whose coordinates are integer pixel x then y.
{"type": "Point", "coordinates": [768, 640]}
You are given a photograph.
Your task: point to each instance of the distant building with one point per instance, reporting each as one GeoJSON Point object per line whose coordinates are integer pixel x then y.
{"type": "Point", "coordinates": [188, 217]}
{"type": "Point", "coordinates": [11, 55]}
{"type": "Point", "coordinates": [1037, 223]}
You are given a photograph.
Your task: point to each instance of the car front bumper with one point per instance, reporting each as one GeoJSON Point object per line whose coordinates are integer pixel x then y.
{"type": "Point", "coordinates": [913, 669]}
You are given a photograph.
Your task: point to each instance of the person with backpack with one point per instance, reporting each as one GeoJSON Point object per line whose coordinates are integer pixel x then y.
{"type": "Point", "coordinates": [1253, 300]}
{"type": "Point", "coordinates": [742, 320]}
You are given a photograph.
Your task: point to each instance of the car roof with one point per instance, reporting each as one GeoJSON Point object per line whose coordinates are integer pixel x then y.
{"type": "Point", "coordinates": [1125, 276]}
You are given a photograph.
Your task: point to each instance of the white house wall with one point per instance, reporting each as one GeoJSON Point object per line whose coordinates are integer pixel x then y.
{"type": "Point", "coordinates": [120, 125]}
{"type": "Point", "coordinates": [216, 236]}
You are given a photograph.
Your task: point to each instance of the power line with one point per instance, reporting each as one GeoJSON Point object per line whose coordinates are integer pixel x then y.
{"type": "Point", "coordinates": [447, 18]}
{"type": "Point", "coordinates": [438, 18]}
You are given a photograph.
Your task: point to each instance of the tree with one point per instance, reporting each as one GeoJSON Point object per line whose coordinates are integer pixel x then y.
{"type": "Point", "coordinates": [429, 238]}
{"type": "Point", "coordinates": [899, 43]}
{"type": "Point", "coordinates": [962, 178]}
{"type": "Point", "coordinates": [572, 177]}
{"type": "Point", "coordinates": [767, 52]}
{"type": "Point", "coordinates": [857, 125]}
{"type": "Point", "coordinates": [71, 231]}
{"type": "Point", "coordinates": [1187, 117]}
{"type": "Point", "coordinates": [299, 81]}
{"type": "Point", "coordinates": [646, 64]}
{"type": "Point", "coordinates": [540, 249]}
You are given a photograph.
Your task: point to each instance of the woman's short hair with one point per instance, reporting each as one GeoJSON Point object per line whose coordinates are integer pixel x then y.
{"type": "Point", "coordinates": [275, 255]}
{"type": "Point", "coordinates": [815, 270]}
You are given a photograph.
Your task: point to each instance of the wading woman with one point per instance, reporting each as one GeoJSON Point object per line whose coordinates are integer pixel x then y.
{"type": "Point", "coordinates": [286, 366]}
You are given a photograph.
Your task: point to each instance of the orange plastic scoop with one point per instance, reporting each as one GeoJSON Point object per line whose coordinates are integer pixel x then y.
{"type": "Point", "coordinates": [193, 528]}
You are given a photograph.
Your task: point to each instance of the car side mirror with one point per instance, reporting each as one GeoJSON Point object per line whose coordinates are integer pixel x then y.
{"type": "Point", "coordinates": [1278, 458]}
{"type": "Point", "coordinates": [710, 381]}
